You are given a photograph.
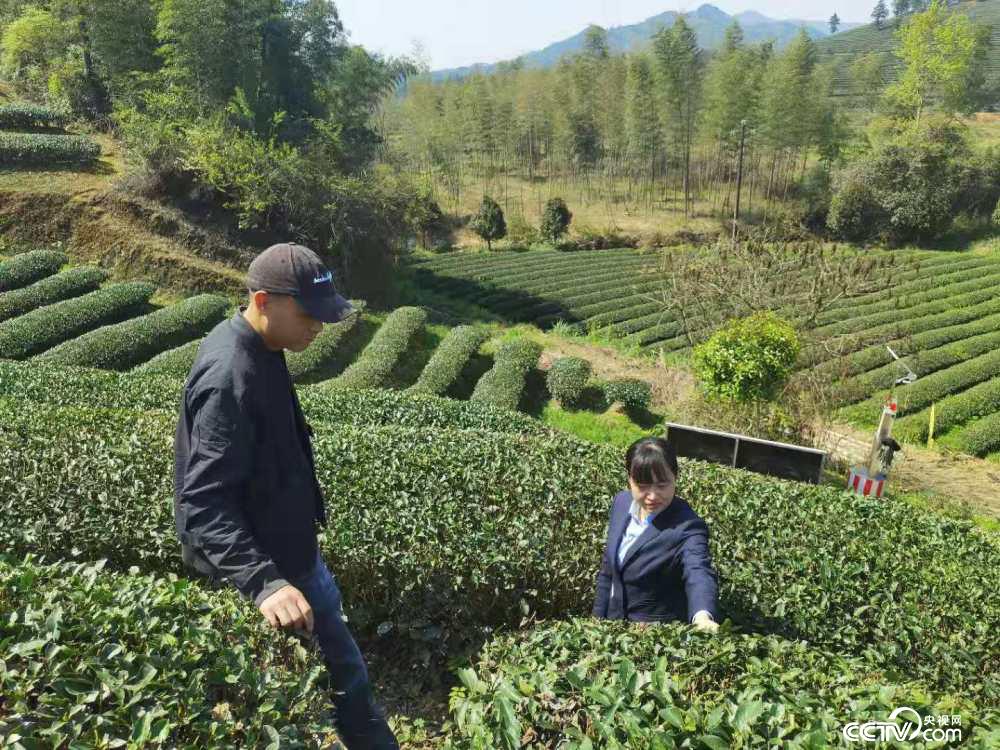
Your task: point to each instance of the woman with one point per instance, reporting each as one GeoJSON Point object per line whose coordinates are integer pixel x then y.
{"type": "Point", "coordinates": [656, 565]}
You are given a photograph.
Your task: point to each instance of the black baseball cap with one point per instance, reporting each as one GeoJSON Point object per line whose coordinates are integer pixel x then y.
{"type": "Point", "coordinates": [289, 268]}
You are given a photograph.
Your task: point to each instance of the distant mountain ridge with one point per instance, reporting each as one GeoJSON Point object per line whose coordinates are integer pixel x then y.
{"type": "Point", "coordinates": [709, 23]}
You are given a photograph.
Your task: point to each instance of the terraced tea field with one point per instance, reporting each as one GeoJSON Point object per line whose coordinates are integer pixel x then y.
{"type": "Point", "coordinates": [58, 315]}
{"type": "Point", "coordinates": [942, 315]}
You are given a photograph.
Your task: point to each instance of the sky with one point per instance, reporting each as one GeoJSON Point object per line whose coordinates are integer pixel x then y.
{"type": "Point", "coordinates": [453, 33]}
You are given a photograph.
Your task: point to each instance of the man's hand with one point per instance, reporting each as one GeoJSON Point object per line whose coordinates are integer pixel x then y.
{"type": "Point", "coordinates": [704, 621]}
{"type": "Point", "coordinates": [287, 608]}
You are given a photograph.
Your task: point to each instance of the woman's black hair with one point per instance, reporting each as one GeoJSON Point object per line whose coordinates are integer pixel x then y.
{"type": "Point", "coordinates": [648, 459]}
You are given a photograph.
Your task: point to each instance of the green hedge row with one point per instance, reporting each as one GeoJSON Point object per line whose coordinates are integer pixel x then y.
{"type": "Point", "coordinates": [979, 401]}
{"type": "Point", "coordinates": [611, 684]}
{"type": "Point", "coordinates": [527, 526]}
{"type": "Point", "coordinates": [503, 384]}
{"type": "Point", "coordinates": [981, 437]}
{"type": "Point", "coordinates": [65, 285]}
{"type": "Point", "coordinates": [421, 540]}
{"type": "Point", "coordinates": [43, 149]}
{"type": "Point", "coordinates": [892, 316]}
{"type": "Point", "coordinates": [22, 115]}
{"type": "Point", "coordinates": [27, 268]}
{"type": "Point", "coordinates": [314, 363]}
{"type": "Point", "coordinates": [567, 378]}
{"type": "Point", "coordinates": [876, 356]}
{"type": "Point", "coordinates": [91, 658]}
{"type": "Point", "coordinates": [41, 329]}
{"type": "Point", "coordinates": [903, 328]}
{"type": "Point", "coordinates": [74, 386]}
{"type": "Point", "coordinates": [925, 391]}
{"type": "Point", "coordinates": [449, 359]}
{"type": "Point", "coordinates": [923, 362]}
{"type": "Point", "coordinates": [377, 361]}
{"type": "Point", "coordinates": [174, 363]}
{"type": "Point", "coordinates": [904, 296]}
{"type": "Point", "coordinates": [124, 345]}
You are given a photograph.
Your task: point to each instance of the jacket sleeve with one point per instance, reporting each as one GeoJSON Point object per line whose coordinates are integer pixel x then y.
{"type": "Point", "coordinates": [214, 483]}
{"type": "Point", "coordinates": [603, 597]}
{"type": "Point", "coordinates": [701, 582]}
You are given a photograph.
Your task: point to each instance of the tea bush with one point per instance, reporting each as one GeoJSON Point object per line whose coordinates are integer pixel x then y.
{"type": "Point", "coordinates": [44, 328]}
{"type": "Point", "coordinates": [388, 345]}
{"type": "Point", "coordinates": [92, 658]}
{"type": "Point", "coordinates": [124, 345]}
{"type": "Point", "coordinates": [567, 378]}
{"type": "Point", "coordinates": [65, 285]}
{"type": "Point", "coordinates": [503, 384]}
{"type": "Point", "coordinates": [29, 267]}
{"type": "Point", "coordinates": [611, 684]}
{"type": "Point", "coordinates": [42, 149]}
{"type": "Point", "coordinates": [449, 359]}
{"type": "Point", "coordinates": [476, 528]}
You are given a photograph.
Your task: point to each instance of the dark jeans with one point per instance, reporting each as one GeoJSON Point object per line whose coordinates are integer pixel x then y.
{"type": "Point", "coordinates": [359, 721]}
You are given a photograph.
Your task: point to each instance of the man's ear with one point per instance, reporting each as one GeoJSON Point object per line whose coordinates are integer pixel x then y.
{"type": "Point", "coordinates": [259, 299]}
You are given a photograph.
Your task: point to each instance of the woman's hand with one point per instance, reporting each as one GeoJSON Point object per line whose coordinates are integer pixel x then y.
{"type": "Point", "coordinates": [704, 621]}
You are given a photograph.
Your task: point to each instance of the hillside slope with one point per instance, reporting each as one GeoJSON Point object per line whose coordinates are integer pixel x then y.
{"type": "Point", "coordinates": [847, 46]}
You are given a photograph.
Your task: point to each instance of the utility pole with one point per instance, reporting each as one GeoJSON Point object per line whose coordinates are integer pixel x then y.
{"type": "Point", "coordinates": [739, 176]}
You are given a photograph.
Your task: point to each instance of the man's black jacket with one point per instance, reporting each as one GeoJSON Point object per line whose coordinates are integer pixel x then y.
{"type": "Point", "coordinates": [246, 499]}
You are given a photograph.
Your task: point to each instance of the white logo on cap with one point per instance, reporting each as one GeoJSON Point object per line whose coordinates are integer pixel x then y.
{"type": "Point", "coordinates": [328, 276]}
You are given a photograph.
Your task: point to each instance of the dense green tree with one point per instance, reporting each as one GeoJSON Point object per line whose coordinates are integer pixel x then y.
{"type": "Point", "coordinates": [942, 55]}
{"type": "Point", "coordinates": [834, 23]}
{"type": "Point", "coordinates": [489, 222]}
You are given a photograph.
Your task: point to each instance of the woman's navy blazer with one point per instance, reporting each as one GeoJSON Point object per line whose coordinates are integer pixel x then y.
{"type": "Point", "coordinates": [667, 573]}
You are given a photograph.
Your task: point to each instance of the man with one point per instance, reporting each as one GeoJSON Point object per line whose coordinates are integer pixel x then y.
{"type": "Point", "coordinates": [246, 499]}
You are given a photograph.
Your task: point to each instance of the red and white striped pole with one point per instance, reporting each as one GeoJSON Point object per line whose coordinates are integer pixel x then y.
{"type": "Point", "coordinates": [870, 480]}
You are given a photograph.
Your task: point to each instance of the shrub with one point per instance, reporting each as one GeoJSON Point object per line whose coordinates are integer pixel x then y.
{"type": "Point", "coordinates": [27, 268]}
{"type": "Point", "coordinates": [908, 188]}
{"type": "Point", "coordinates": [995, 218]}
{"type": "Point", "coordinates": [24, 116]}
{"type": "Point", "coordinates": [424, 540]}
{"type": "Point", "coordinates": [176, 362]}
{"type": "Point", "coordinates": [489, 223]}
{"type": "Point", "coordinates": [41, 329]}
{"type": "Point", "coordinates": [71, 283]}
{"type": "Point", "coordinates": [747, 360]}
{"type": "Point", "coordinates": [449, 359]}
{"type": "Point", "coordinates": [124, 345]}
{"type": "Point", "coordinates": [384, 351]}
{"type": "Point", "coordinates": [313, 363]}
{"type": "Point", "coordinates": [632, 393]}
{"type": "Point", "coordinates": [567, 378]}
{"type": "Point", "coordinates": [558, 679]}
{"type": "Point", "coordinates": [520, 232]}
{"type": "Point", "coordinates": [555, 219]}
{"type": "Point", "coordinates": [503, 384]}
{"type": "Point", "coordinates": [41, 149]}
{"type": "Point", "coordinates": [138, 658]}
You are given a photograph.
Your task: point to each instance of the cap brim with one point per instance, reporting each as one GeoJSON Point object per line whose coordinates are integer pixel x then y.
{"type": "Point", "coordinates": [329, 308]}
